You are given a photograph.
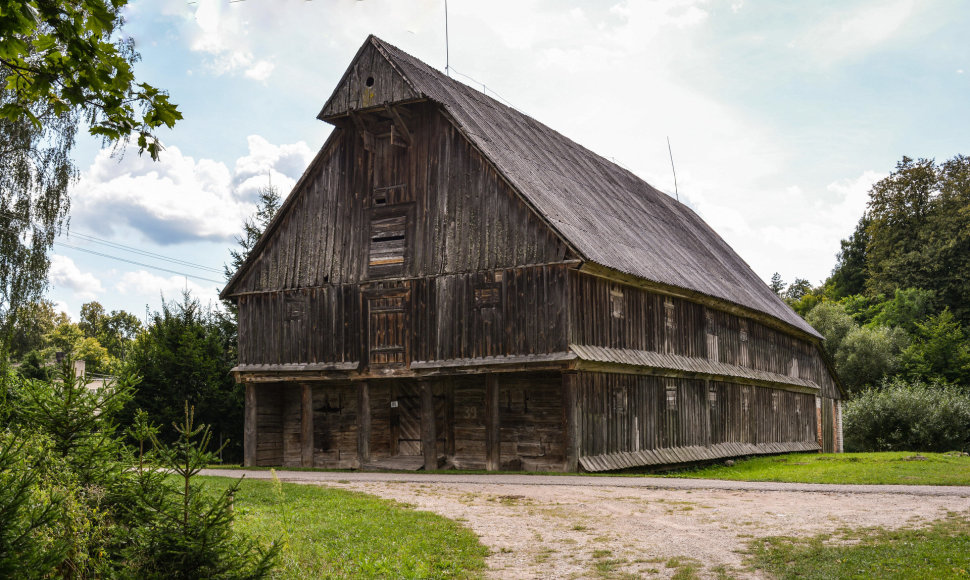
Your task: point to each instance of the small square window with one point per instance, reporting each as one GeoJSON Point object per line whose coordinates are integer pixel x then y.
{"type": "Point", "coordinates": [671, 397]}
{"type": "Point", "coordinates": [617, 303]}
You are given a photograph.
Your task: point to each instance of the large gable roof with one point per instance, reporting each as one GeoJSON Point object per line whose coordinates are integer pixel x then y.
{"type": "Point", "coordinates": [608, 214]}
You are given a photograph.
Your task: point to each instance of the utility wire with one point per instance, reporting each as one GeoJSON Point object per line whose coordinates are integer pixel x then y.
{"type": "Point", "coordinates": [126, 248]}
{"type": "Point", "coordinates": [80, 249]}
{"type": "Point", "coordinates": [120, 259]}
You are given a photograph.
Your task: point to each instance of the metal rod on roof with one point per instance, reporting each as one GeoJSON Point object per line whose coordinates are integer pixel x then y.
{"type": "Point", "coordinates": [672, 168]}
{"type": "Point", "coordinates": [447, 59]}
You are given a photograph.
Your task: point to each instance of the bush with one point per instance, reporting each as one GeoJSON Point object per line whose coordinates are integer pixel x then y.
{"type": "Point", "coordinates": [905, 416]}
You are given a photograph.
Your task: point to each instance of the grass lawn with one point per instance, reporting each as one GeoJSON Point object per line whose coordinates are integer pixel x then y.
{"type": "Point", "coordinates": [852, 468]}
{"type": "Point", "coordinates": [941, 550]}
{"type": "Point", "coordinates": [332, 533]}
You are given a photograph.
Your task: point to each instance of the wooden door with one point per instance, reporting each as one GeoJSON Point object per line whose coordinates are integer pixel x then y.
{"type": "Point", "coordinates": [406, 417]}
{"type": "Point", "coordinates": [387, 330]}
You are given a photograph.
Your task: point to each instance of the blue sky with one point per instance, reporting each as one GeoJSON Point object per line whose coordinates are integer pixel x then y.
{"type": "Point", "coordinates": [781, 115]}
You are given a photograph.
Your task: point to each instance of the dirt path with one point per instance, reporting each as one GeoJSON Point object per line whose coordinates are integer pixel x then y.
{"type": "Point", "coordinates": [570, 527]}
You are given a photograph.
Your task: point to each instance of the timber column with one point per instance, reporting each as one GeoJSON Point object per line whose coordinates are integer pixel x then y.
{"type": "Point", "coordinates": [306, 426]}
{"type": "Point", "coordinates": [493, 438]}
{"type": "Point", "coordinates": [571, 422]}
{"type": "Point", "coordinates": [429, 437]}
{"type": "Point", "coordinates": [363, 423]}
{"type": "Point", "coordinates": [249, 427]}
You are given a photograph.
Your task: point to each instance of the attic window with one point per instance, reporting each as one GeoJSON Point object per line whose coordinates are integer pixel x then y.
{"type": "Point", "coordinates": [388, 241]}
{"type": "Point", "coordinates": [369, 82]}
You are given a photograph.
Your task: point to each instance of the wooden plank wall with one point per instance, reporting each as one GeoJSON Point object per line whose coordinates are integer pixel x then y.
{"type": "Point", "coordinates": [620, 413]}
{"type": "Point", "coordinates": [269, 424]}
{"type": "Point", "coordinates": [531, 423]}
{"type": "Point", "coordinates": [470, 220]}
{"type": "Point", "coordinates": [653, 322]}
{"type": "Point", "coordinates": [453, 316]}
{"type": "Point", "coordinates": [334, 426]}
{"type": "Point", "coordinates": [308, 325]}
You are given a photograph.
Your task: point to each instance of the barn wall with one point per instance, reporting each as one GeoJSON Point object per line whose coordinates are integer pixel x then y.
{"type": "Point", "coordinates": [628, 413]}
{"type": "Point", "coordinates": [460, 216]}
{"type": "Point", "coordinates": [509, 312]}
{"type": "Point", "coordinates": [607, 313]}
{"type": "Point", "coordinates": [530, 411]}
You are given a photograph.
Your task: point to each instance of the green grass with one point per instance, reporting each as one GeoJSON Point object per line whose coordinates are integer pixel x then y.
{"type": "Point", "coordinates": [850, 468]}
{"type": "Point", "coordinates": [332, 533]}
{"type": "Point", "coordinates": [941, 550]}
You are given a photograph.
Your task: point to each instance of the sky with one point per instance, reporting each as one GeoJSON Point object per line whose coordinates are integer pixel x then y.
{"type": "Point", "coordinates": [780, 116]}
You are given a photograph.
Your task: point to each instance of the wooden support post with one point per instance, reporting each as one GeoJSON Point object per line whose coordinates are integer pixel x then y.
{"type": "Point", "coordinates": [428, 436]}
{"type": "Point", "coordinates": [493, 438]}
{"type": "Point", "coordinates": [363, 423]}
{"type": "Point", "coordinates": [249, 427]}
{"type": "Point", "coordinates": [571, 420]}
{"type": "Point", "coordinates": [449, 426]}
{"type": "Point", "coordinates": [707, 413]}
{"type": "Point", "coordinates": [306, 425]}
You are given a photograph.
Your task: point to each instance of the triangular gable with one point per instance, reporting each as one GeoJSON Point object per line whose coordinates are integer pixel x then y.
{"type": "Point", "coordinates": [370, 81]}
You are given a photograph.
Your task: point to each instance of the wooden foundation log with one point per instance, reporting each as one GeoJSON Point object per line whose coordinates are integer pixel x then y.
{"type": "Point", "coordinates": [363, 423]}
{"type": "Point", "coordinates": [493, 439]}
{"type": "Point", "coordinates": [306, 425]}
{"type": "Point", "coordinates": [249, 427]}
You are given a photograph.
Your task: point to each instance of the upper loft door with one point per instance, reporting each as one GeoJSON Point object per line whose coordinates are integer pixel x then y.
{"type": "Point", "coordinates": [387, 344]}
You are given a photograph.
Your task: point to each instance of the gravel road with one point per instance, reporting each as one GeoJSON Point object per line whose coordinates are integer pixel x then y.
{"type": "Point", "coordinates": [622, 527]}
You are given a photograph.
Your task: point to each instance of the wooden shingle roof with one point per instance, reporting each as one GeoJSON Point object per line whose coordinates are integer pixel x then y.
{"type": "Point", "coordinates": [609, 215]}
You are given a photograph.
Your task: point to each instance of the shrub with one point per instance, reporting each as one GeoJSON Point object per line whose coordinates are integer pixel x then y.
{"type": "Point", "coordinates": [905, 416]}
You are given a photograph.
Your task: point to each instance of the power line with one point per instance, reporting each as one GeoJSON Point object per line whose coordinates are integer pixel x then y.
{"type": "Point", "coordinates": [126, 248]}
{"type": "Point", "coordinates": [80, 249]}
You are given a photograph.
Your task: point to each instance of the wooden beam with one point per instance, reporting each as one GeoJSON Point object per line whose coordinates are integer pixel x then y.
{"type": "Point", "coordinates": [366, 136]}
{"type": "Point", "coordinates": [571, 421]}
{"type": "Point", "coordinates": [249, 428]}
{"type": "Point", "coordinates": [363, 423]}
{"type": "Point", "coordinates": [428, 436]}
{"type": "Point", "coordinates": [306, 425]}
{"type": "Point", "coordinates": [398, 123]}
{"type": "Point", "coordinates": [493, 438]}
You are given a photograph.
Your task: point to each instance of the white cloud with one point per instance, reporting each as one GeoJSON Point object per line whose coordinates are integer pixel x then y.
{"type": "Point", "coordinates": [222, 32]}
{"type": "Point", "coordinates": [151, 286]}
{"type": "Point", "coordinates": [857, 30]}
{"type": "Point", "coordinates": [64, 274]}
{"type": "Point", "coordinates": [179, 199]}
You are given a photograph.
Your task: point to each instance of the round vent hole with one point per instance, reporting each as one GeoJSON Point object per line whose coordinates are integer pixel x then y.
{"type": "Point", "coordinates": [370, 81]}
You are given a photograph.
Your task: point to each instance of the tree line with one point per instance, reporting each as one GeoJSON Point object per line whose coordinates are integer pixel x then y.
{"type": "Point", "coordinates": [895, 311]}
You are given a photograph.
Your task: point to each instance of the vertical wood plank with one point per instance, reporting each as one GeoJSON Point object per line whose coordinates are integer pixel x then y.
{"type": "Point", "coordinates": [363, 423]}
{"type": "Point", "coordinates": [570, 417]}
{"type": "Point", "coordinates": [493, 441]}
{"type": "Point", "coordinates": [249, 428]}
{"type": "Point", "coordinates": [306, 430]}
{"type": "Point", "coordinates": [428, 436]}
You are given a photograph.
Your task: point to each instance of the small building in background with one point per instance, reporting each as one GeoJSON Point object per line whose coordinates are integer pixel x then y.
{"type": "Point", "coordinates": [452, 283]}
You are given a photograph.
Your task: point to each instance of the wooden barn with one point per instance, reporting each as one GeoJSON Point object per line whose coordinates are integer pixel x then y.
{"type": "Point", "coordinates": [453, 284]}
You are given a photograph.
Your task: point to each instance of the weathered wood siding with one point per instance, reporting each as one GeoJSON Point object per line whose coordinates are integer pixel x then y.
{"type": "Point", "coordinates": [607, 313]}
{"type": "Point", "coordinates": [269, 424]}
{"type": "Point", "coordinates": [507, 312]}
{"type": "Point", "coordinates": [370, 81]}
{"type": "Point", "coordinates": [460, 215]}
{"type": "Point", "coordinates": [627, 413]}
